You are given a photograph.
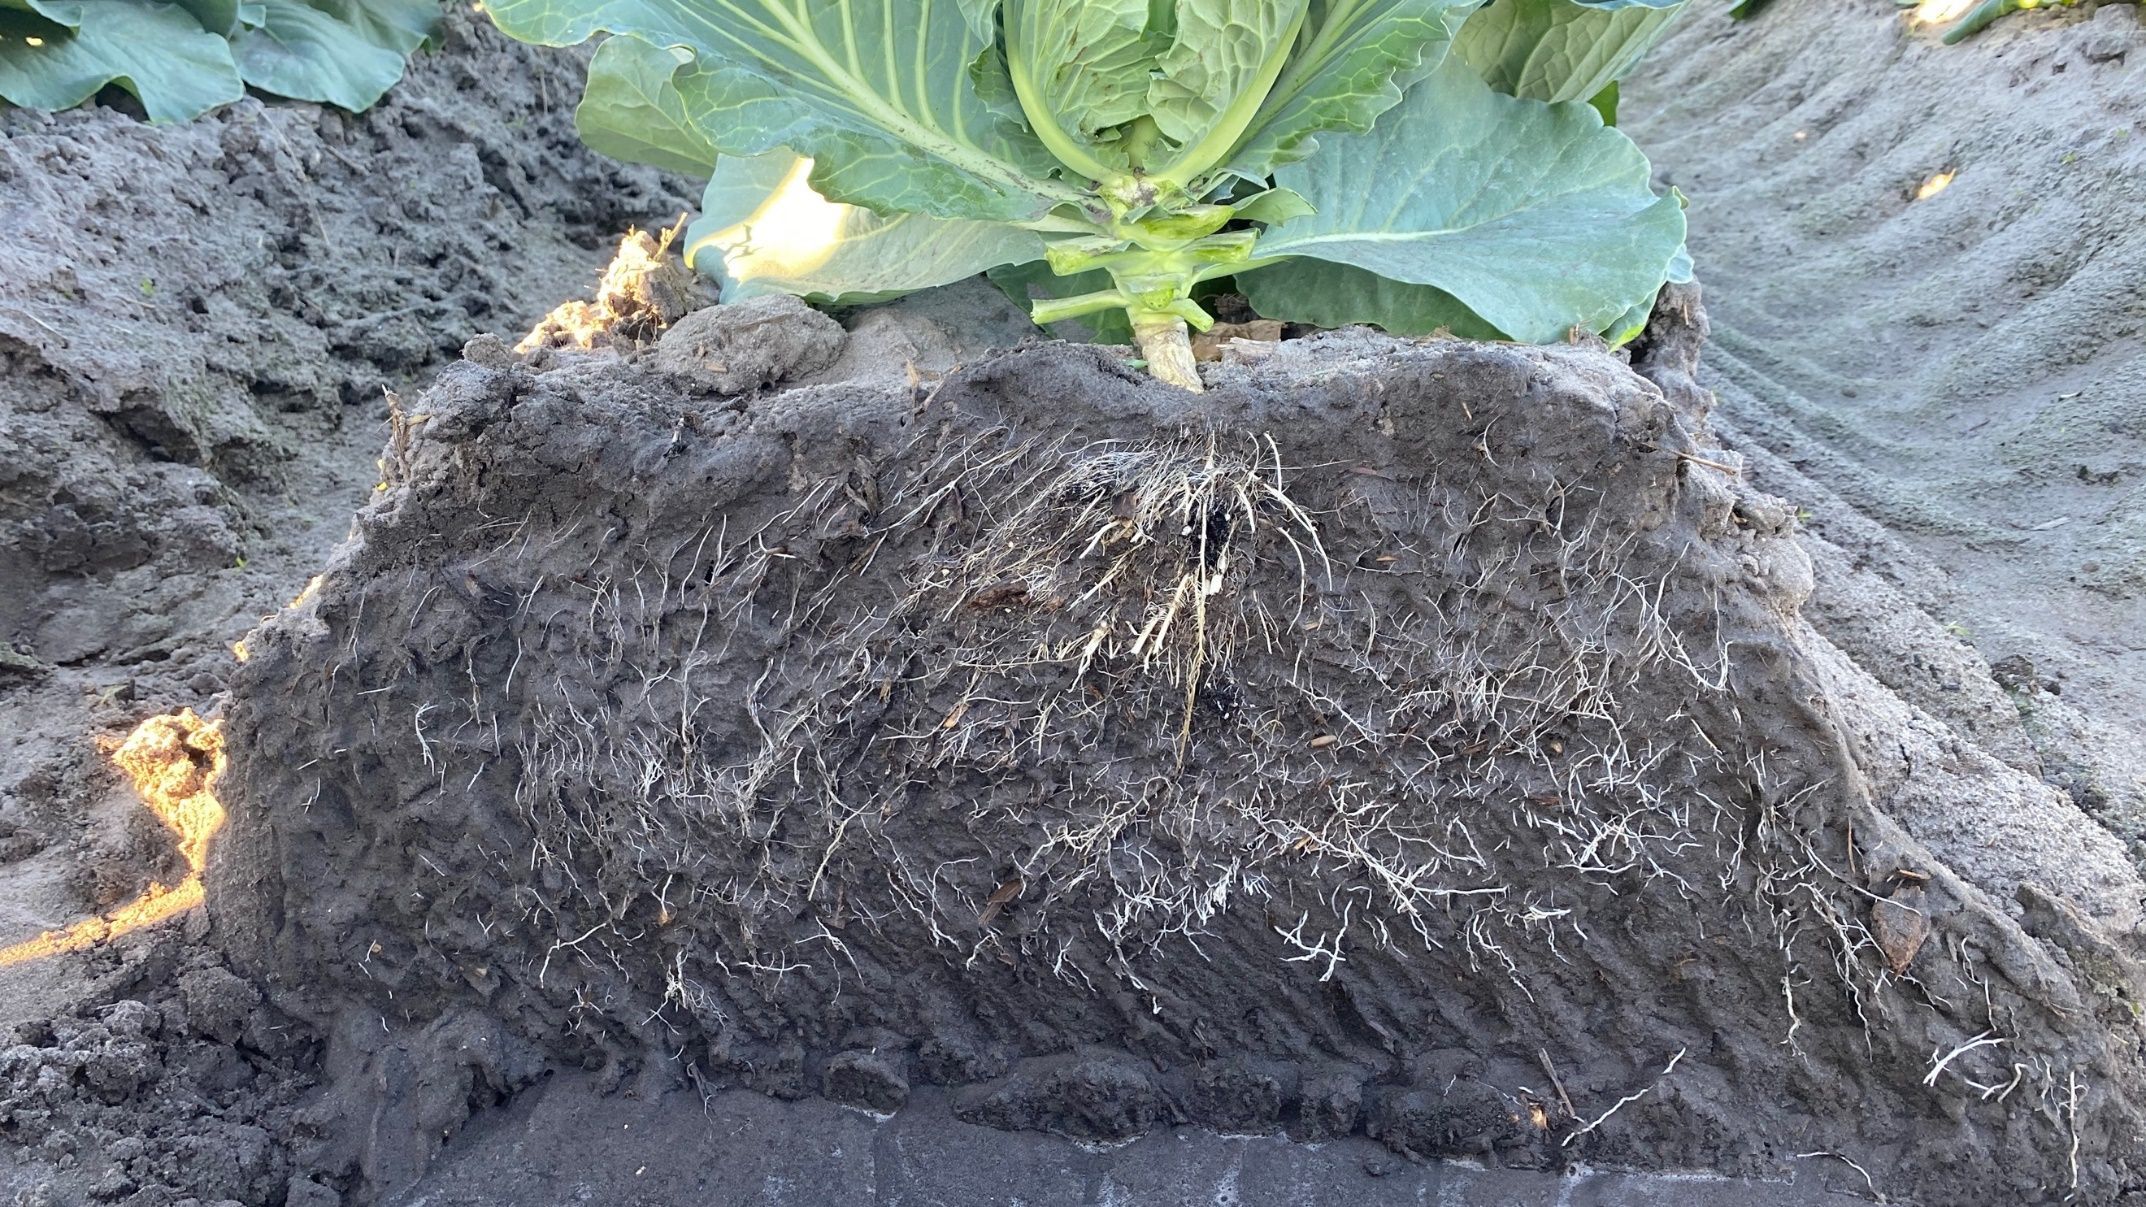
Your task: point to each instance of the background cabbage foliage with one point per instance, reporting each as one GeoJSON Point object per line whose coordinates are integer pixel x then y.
{"type": "Point", "coordinates": [1415, 164]}
{"type": "Point", "coordinates": [181, 60]}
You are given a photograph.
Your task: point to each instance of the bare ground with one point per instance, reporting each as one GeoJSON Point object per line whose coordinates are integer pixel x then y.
{"type": "Point", "coordinates": [1951, 387]}
{"type": "Point", "coordinates": [1956, 386]}
{"type": "Point", "coordinates": [197, 325]}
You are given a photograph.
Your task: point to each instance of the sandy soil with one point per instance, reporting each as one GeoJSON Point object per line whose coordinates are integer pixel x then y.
{"type": "Point", "coordinates": [1960, 381]}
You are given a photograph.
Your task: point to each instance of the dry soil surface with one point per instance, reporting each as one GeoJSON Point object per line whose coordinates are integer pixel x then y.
{"type": "Point", "coordinates": [1952, 381]}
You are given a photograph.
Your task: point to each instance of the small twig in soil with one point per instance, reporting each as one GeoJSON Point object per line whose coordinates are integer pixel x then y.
{"type": "Point", "coordinates": [1734, 471]}
{"type": "Point", "coordinates": [1550, 1070]}
{"type": "Point", "coordinates": [40, 322]}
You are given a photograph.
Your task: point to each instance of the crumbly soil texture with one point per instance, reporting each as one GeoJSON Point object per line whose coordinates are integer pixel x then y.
{"type": "Point", "coordinates": [1419, 741]}
{"type": "Point", "coordinates": [198, 327]}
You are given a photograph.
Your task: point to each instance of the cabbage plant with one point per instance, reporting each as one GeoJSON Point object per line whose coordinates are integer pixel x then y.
{"type": "Point", "coordinates": [1415, 164]}
{"type": "Point", "coordinates": [182, 60]}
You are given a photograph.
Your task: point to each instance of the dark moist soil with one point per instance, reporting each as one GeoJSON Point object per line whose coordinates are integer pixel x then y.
{"type": "Point", "coordinates": [566, 1142]}
{"type": "Point", "coordinates": [1411, 741]}
{"type": "Point", "coordinates": [197, 327]}
{"type": "Point", "coordinates": [196, 323]}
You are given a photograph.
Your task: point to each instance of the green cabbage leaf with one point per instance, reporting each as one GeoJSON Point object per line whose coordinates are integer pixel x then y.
{"type": "Point", "coordinates": [1419, 165]}
{"type": "Point", "coordinates": [182, 60]}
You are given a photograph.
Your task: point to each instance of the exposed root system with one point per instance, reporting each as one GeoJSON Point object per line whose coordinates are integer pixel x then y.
{"type": "Point", "coordinates": [1420, 741]}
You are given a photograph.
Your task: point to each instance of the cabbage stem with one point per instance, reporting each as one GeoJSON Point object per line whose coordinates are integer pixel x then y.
{"type": "Point", "coordinates": [1166, 342]}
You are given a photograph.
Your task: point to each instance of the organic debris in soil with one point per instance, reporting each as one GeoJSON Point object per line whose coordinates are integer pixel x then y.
{"type": "Point", "coordinates": [644, 290]}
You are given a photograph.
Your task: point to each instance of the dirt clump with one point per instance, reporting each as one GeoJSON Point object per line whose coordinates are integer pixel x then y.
{"type": "Point", "coordinates": [756, 343]}
{"type": "Point", "coordinates": [160, 1097]}
{"type": "Point", "coordinates": [1420, 740]}
{"type": "Point", "coordinates": [198, 324]}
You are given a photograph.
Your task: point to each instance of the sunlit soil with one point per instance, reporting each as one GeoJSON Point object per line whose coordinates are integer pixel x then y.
{"type": "Point", "coordinates": [174, 762]}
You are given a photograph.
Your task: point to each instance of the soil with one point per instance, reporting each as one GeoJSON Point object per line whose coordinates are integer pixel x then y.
{"type": "Point", "coordinates": [566, 1142]}
{"type": "Point", "coordinates": [1334, 754]}
{"type": "Point", "coordinates": [1954, 387]}
{"type": "Point", "coordinates": [196, 331]}
{"type": "Point", "coordinates": [198, 325]}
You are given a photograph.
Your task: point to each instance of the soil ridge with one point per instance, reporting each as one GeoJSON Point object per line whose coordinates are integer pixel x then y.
{"type": "Point", "coordinates": [1415, 740]}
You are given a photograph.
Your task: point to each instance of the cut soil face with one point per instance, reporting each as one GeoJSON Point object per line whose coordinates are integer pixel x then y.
{"type": "Point", "coordinates": [1419, 741]}
{"type": "Point", "coordinates": [197, 325]}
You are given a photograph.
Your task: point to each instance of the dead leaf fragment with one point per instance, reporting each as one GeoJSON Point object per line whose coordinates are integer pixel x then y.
{"type": "Point", "coordinates": [1900, 925]}
{"type": "Point", "coordinates": [998, 899]}
{"type": "Point", "coordinates": [644, 290]}
{"type": "Point", "coordinates": [1208, 345]}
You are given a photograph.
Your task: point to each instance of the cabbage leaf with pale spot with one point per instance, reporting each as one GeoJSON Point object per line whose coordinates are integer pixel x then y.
{"type": "Point", "coordinates": [763, 230]}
